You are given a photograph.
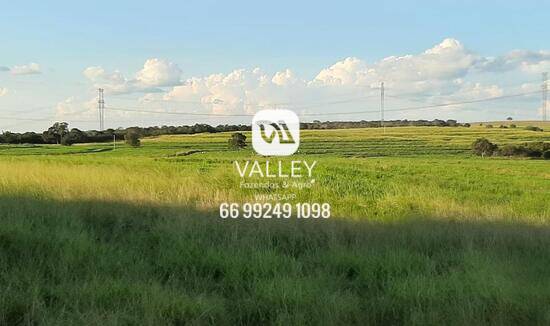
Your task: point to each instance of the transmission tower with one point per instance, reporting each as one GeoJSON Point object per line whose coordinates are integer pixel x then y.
{"type": "Point", "coordinates": [101, 109]}
{"type": "Point", "coordinates": [382, 106]}
{"type": "Point", "coordinates": [544, 95]}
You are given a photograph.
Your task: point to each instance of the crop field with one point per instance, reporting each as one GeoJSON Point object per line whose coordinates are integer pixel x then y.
{"type": "Point", "coordinates": [422, 232]}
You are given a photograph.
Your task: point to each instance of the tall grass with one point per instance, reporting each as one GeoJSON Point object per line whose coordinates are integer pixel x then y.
{"type": "Point", "coordinates": [422, 233]}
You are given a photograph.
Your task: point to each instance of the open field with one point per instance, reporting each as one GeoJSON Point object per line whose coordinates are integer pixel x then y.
{"type": "Point", "coordinates": [422, 233]}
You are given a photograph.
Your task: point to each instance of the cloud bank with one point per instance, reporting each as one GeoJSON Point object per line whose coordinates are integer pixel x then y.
{"type": "Point", "coordinates": [447, 72]}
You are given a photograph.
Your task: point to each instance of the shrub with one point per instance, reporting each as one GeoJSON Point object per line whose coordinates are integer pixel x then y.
{"type": "Point", "coordinates": [534, 149]}
{"type": "Point", "coordinates": [546, 155]}
{"type": "Point", "coordinates": [483, 147]}
{"type": "Point", "coordinates": [538, 146]}
{"type": "Point", "coordinates": [503, 127]}
{"type": "Point", "coordinates": [132, 138]}
{"type": "Point", "coordinates": [488, 126]}
{"type": "Point", "coordinates": [513, 126]}
{"type": "Point", "coordinates": [237, 141]}
{"type": "Point", "coordinates": [533, 128]}
{"type": "Point", "coordinates": [512, 150]}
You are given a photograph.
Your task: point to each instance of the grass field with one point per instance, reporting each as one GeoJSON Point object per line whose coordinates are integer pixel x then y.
{"type": "Point", "coordinates": [422, 233]}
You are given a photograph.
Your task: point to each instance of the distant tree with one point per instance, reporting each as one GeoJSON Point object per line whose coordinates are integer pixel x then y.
{"type": "Point", "coordinates": [72, 137]}
{"type": "Point", "coordinates": [509, 119]}
{"type": "Point", "coordinates": [483, 147]}
{"type": "Point", "coordinates": [55, 132]}
{"type": "Point", "coordinates": [132, 137]}
{"type": "Point", "coordinates": [237, 141]}
{"type": "Point", "coordinates": [11, 138]}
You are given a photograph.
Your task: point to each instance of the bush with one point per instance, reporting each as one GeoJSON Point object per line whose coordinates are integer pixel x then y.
{"type": "Point", "coordinates": [534, 149]}
{"type": "Point", "coordinates": [483, 147]}
{"type": "Point", "coordinates": [546, 155]}
{"type": "Point", "coordinates": [513, 150]}
{"type": "Point", "coordinates": [237, 141]}
{"type": "Point", "coordinates": [533, 128]}
{"type": "Point", "coordinates": [132, 138]}
{"type": "Point", "coordinates": [488, 126]}
{"type": "Point", "coordinates": [503, 127]}
{"type": "Point", "coordinates": [513, 126]}
{"type": "Point", "coordinates": [538, 146]}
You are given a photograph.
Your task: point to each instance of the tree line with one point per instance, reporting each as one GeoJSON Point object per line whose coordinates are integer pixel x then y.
{"type": "Point", "coordinates": [60, 133]}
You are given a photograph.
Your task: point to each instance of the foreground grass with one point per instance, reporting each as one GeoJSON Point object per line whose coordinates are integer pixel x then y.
{"type": "Point", "coordinates": [422, 233]}
{"type": "Point", "coordinates": [86, 262]}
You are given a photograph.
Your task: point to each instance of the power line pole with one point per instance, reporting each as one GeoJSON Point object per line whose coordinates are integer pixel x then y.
{"type": "Point", "coordinates": [382, 106]}
{"type": "Point", "coordinates": [101, 109]}
{"type": "Point", "coordinates": [544, 94]}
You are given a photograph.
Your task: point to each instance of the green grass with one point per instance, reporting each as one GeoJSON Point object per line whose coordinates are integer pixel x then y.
{"type": "Point", "coordinates": [422, 233]}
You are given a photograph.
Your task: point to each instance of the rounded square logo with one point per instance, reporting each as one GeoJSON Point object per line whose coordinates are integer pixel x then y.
{"type": "Point", "coordinates": [275, 132]}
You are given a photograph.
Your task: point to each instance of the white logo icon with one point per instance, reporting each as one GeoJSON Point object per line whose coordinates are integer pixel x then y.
{"type": "Point", "coordinates": [275, 132]}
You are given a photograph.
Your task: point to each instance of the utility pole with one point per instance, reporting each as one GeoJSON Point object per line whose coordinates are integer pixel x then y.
{"type": "Point", "coordinates": [382, 106]}
{"type": "Point", "coordinates": [544, 94]}
{"type": "Point", "coordinates": [101, 109]}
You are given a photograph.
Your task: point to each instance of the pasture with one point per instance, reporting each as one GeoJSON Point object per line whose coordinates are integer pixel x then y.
{"type": "Point", "coordinates": [422, 232]}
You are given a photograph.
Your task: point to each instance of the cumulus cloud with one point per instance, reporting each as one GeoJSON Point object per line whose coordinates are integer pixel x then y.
{"type": "Point", "coordinates": [446, 72]}
{"type": "Point", "coordinates": [3, 91]}
{"type": "Point", "coordinates": [155, 73]}
{"type": "Point", "coordinates": [524, 60]}
{"type": "Point", "coordinates": [28, 69]}
{"type": "Point", "coordinates": [423, 72]}
{"type": "Point", "coordinates": [72, 108]}
{"type": "Point", "coordinates": [158, 73]}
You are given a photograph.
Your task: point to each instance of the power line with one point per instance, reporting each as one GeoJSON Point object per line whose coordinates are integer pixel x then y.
{"type": "Point", "coordinates": [177, 113]}
{"type": "Point", "coordinates": [434, 105]}
{"type": "Point", "coordinates": [495, 98]}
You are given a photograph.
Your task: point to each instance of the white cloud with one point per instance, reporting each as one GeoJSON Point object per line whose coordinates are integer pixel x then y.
{"type": "Point", "coordinates": [158, 73]}
{"type": "Point", "coordinates": [446, 72]}
{"type": "Point", "coordinates": [422, 72]}
{"type": "Point", "coordinates": [3, 91]}
{"type": "Point", "coordinates": [524, 60]}
{"type": "Point", "coordinates": [154, 74]}
{"type": "Point", "coordinates": [29, 69]}
{"type": "Point", "coordinates": [94, 73]}
{"type": "Point", "coordinates": [72, 108]}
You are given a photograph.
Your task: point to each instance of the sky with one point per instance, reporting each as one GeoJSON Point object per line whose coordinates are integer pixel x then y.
{"type": "Point", "coordinates": [224, 61]}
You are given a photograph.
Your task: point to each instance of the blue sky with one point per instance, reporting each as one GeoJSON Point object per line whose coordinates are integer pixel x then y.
{"type": "Point", "coordinates": [203, 38]}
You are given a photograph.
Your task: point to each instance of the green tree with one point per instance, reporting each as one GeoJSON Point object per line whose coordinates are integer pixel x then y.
{"type": "Point", "coordinates": [72, 137]}
{"type": "Point", "coordinates": [132, 137]}
{"type": "Point", "coordinates": [55, 132]}
{"type": "Point", "coordinates": [483, 147]}
{"type": "Point", "coordinates": [237, 141]}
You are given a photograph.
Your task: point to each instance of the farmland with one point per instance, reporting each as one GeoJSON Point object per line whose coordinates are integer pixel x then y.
{"type": "Point", "coordinates": [422, 233]}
